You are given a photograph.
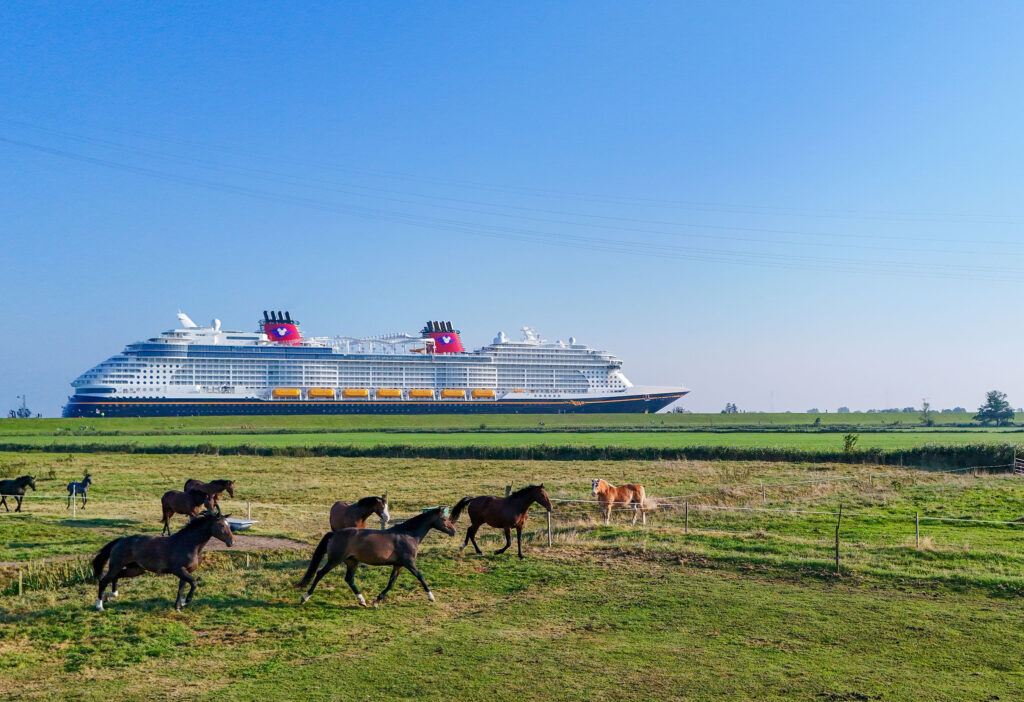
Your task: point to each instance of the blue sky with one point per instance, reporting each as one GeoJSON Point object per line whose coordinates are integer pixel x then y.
{"type": "Point", "coordinates": [779, 204]}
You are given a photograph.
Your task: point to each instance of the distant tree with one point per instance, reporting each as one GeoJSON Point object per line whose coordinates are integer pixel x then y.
{"type": "Point", "coordinates": [730, 408]}
{"type": "Point", "coordinates": [926, 414]}
{"type": "Point", "coordinates": [996, 409]}
{"type": "Point", "coordinates": [959, 409]}
{"type": "Point", "coordinates": [849, 442]}
{"type": "Point", "coordinates": [817, 421]}
{"type": "Point", "coordinates": [813, 410]}
{"type": "Point", "coordinates": [909, 410]}
{"type": "Point", "coordinates": [843, 410]}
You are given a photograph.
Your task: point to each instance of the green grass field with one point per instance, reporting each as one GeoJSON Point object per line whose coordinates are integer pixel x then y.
{"type": "Point", "coordinates": [746, 605]}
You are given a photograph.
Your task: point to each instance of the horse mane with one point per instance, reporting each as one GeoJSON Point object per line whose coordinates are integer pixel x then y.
{"type": "Point", "coordinates": [523, 491]}
{"type": "Point", "coordinates": [367, 501]}
{"type": "Point", "coordinates": [220, 482]}
{"type": "Point", "coordinates": [201, 521]}
{"type": "Point", "coordinates": [413, 522]}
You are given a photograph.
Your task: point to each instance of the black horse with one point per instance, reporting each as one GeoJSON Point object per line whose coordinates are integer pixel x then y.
{"type": "Point", "coordinates": [396, 547]}
{"type": "Point", "coordinates": [178, 554]}
{"type": "Point", "coordinates": [16, 489]}
{"type": "Point", "coordinates": [79, 488]}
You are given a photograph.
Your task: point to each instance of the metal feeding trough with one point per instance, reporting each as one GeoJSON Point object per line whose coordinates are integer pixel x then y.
{"type": "Point", "coordinates": [241, 524]}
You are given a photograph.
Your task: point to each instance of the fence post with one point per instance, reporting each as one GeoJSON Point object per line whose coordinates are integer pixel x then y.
{"type": "Point", "coordinates": [248, 510]}
{"type": "Point", "coordinates": [871, 480]}
{"type": "Point", "coordinates": [762, 492]}
{"type": "Point", "coordinates": [838, 522]}
{"type": "Point", "coordinates": [917, 527]}
{"type": "Point", "coordinates": [549, 527]}
{"type": "Point", "coordinates": [508, 489]}
{"type": "Point", "coordinates": [686, 517]}
{"type": "Point", "coordinates": [19, 582]}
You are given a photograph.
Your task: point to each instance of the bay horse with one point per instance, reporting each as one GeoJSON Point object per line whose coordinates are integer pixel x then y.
{"type": "Point", "coordinates": [355, 514]}
{"type": "Point", "coordinates": [396, 547]}
{"type": "Point", "coordinates": [214, 488]}
{"type": "Point", "coordinates": [187, 503]}
{"type": "Point", "coordinates": [178, 554]}
{"type": "Point", "coordinates": [79, 488]}
{"type": "Point", "coordinates": [502, 513]}
{"type": "Point", "coordinates": [629, 494]}
{"type": "Point", "coordinates": [16, 489]}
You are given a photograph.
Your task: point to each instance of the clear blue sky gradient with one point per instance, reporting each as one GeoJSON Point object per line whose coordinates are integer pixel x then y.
{"type": "Point", "coordinates": [780, 204]}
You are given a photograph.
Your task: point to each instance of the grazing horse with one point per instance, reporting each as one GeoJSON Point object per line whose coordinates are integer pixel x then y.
{"type": "Point", "coordinates": [355, 514]}
{"type": "Point", "coordinates": [628, 494]}
{"type": "Point", "coordinates": [16, 489]}
{"type": "Point", "coordinates": [178, 554]}
{"type": "Point", "coordinates": [501, 513]}
{"type": "Point", "coordinates": [187, 503]}
{"type": "Point", "coordinates": [214, 488]}
{"type": "Point", "coordinates": [396, 547]}
{"type": "Point", "coordinates": [80, 488]}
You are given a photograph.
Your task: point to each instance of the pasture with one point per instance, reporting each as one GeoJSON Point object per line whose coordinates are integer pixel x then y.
{"type": "Point", "coordinates": [746, 604]}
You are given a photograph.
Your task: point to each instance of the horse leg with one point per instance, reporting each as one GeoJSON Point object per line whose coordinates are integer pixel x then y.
{"type": "Point", "coordinates": [419, 576]}
{"type": "Point", "coordinates": [69, 500]}
{"type": "Point", "coordinates": [636, 508]}
{"type": "Point", "coordinates": [328, 566]}
{"type": "Point", "coordinates": [508, 541]}
{"type": "Point", "coordinates": [3, 501]}
{"type": "Point", "coordinates": [391, 581]}
{"type": "Point", "coordinates": [607, 512]}
{"type": "Point", "coordinates": [471, 535]}
{"type": "Point", "coordinates": [19, 499]}
{"type": "Point", "coordinates": [350, 578]}
{"type": "Point", "coordinates": [104, 581]}
{"type": "Point", "coordinates": [519, 540]}
{"type": "Point", "coordinates": [167, 522]}
{"type": "Point", "coordinates": [84, 500]}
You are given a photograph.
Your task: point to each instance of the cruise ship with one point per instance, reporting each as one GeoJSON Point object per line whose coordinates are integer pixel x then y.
{"type": "Point", "coordinates": [205, 370]}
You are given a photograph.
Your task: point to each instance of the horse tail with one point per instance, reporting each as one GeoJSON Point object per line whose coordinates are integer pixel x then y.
{"type": "Point", "coordinates": [640, 495]}
{"type": "Point", "coordinates": [457, 509]}
{"type": "Point", "coordinates": [101, 558]}
{"type": "Point", "coordinates": [318, 554]}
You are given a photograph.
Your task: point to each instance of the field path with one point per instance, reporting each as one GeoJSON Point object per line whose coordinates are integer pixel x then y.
{"type": "Point", "coordinates": [242, 543]}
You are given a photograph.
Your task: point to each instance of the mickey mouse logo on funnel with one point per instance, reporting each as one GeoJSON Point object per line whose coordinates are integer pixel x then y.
{"type": "Point", "coordinates": [280, 327]}
{"type": "Point", "coordinates": [446, 338]}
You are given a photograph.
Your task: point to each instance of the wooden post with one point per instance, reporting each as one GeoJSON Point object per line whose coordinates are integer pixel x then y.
{"type": "Point", "coordinates": [19, 582]}
{"type": "Point", "coordinates": [762, 492]}
{"type": "Point", "coordinates": [248, 512]}
{"type": "Point", "coordinates": [247, 559]}
{"type": "Point", "coordinates": [549, 527]}
{"type": "Point", "coordinates": [508, 489]}
{"type": "Point", "coordinates": [686, 517]}
{"type": "Point", "coordinates": [838, 522]}
{"type": "Point", "coordinates": [871, 480]}
{"type": "Point", "coordinates": [917, 527]}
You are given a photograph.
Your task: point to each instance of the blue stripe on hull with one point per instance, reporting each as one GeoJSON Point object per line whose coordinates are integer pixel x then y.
{"type": "Point", "coordinates": [90, 407]}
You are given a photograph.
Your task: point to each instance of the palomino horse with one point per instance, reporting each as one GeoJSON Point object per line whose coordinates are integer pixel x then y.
{"type": "Point", "coordinates": [187, 503]}
{"type": "Point", "coordinates": [16, 489]}
{"type": "Point", "coordinates": [355, 514]}
{"type": "Point", "coordinates": [79, 488]}
{"type": "Point", "coordinates": [396, 547]}
{"type": "Point", "coordinates": [214, 488]}
{"type": "Point", "coordinates": [178, 554]}
{"type": "Point", "coordinates": [502, 513]}
{"type": "Point", "coordinates": [628, 494]}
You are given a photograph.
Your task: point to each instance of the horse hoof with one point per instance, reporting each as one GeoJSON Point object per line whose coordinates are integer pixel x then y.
{"type": "Point", "coordinates": [99, 605]}
{"type": "Point", "coordinates": [430, 596]}
{"type": "Point", "coordinates": [362, 601]}
{"type": "Point", "coordinates": [376, 603]}
{"type": "Point", "coordinates": [303, 600]}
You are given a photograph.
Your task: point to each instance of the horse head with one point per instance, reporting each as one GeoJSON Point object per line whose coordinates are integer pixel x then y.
{"type": "Point", "coordinates": [541, 496]}
{"type": "Point", "coordinates": [593, 486]}
{"type": "Point", "coordinates": [441, 523]}
{"type": "Point", "coordinates": [31, 481]}
{"type": "Point", "coordinates": [381, 508]}
{"type": "Point", "coordinates": [87, 480]}
{"type": "Point", "coordinates": [229, 485]}
{"type": "Point", "coordinates": [219, 528]}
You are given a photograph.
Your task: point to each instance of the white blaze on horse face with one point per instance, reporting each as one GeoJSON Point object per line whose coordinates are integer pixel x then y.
{"type": "Point", "coordinates": [385, 515]}
{"type": "Point", "coordinates": [593, 487]}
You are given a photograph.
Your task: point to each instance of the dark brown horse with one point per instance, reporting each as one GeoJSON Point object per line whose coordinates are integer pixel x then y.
{"type": "Point", "coordinates": [396, 547]}
{"type": "Point", "coordinates": [178, 554]}
{"type": "Point", "coordinates": [504, 513]}
{"type": "Point", "coordinates": [214, 488]}
{"type": "Point", "coordinates": [355, 514]}
{"type": "Point", "coordinates": [187, 503]}
{"type": "Point", "coordinates": [16, 489]}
